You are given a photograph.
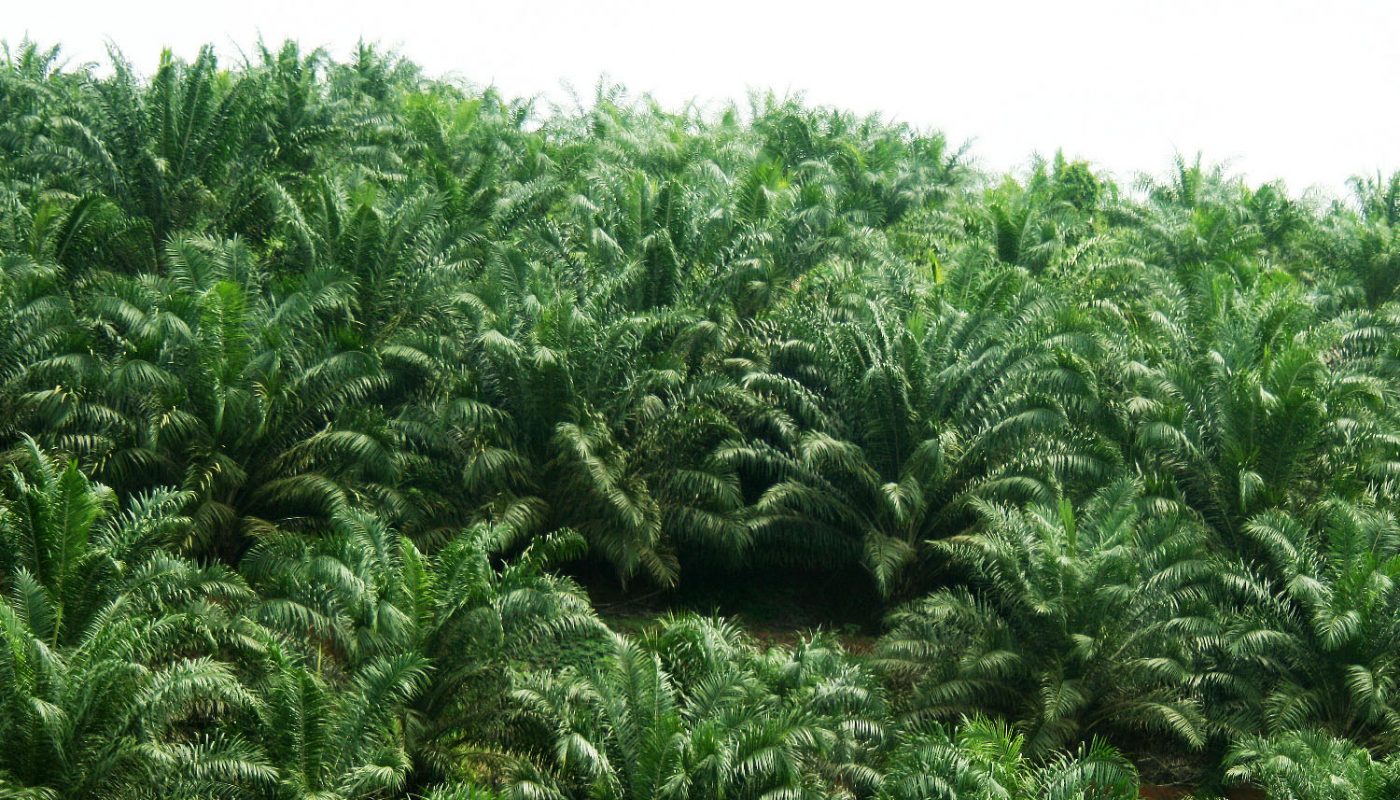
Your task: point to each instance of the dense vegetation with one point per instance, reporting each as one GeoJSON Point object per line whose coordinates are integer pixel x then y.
{"type": "Point", "coordinates": [326, 390]}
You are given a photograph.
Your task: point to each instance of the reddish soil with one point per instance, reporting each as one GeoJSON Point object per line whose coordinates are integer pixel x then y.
{"type": "Point", "coordinates": [1160, 792]}
{"type": "Point", "coordinates": [777, 636]}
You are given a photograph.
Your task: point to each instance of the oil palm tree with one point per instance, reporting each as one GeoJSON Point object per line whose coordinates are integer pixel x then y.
{"type": "Point", "coordinates": [984, 759]}
{"type": "Point", "coordinates": [1304, 765]}
{"type": "Point", "coordinates": [110, 677]}
{"type": "Point", "coordinates": [912, 416]}
{"type": "Point", "coordinates": [1080, 621]}
{"type": "Point", "coordinates": [1316, 638]}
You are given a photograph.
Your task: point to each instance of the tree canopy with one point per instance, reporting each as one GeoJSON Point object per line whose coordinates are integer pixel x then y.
{"type": "Point", "coordinates": [332, 391]}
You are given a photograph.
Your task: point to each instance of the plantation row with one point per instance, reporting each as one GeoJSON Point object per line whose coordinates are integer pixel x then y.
{"type": "Point", "coordinates": [319, 379]}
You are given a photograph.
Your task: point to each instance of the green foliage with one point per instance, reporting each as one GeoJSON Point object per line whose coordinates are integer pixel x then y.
{"type": "Point", "coordinates": [101, 690]}
{"type": "Point", "coordinates": [1321, 642]}
{"type": "Point", "coordinates": [1305, 765]}
{"type": "Point", "coordinates": [983, 760]}
{"type": "Point", "coordinates": [318, 378]}
{"type": "Point", "coordinates": [1080, 621]}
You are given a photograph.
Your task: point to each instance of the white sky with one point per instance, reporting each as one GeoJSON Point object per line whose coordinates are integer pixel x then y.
{"type": "Point", "coordinates": [1305, 91]}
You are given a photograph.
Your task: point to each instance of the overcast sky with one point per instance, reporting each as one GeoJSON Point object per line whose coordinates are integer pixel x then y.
{"type": "Point", "coordinates": [1304, 91]}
